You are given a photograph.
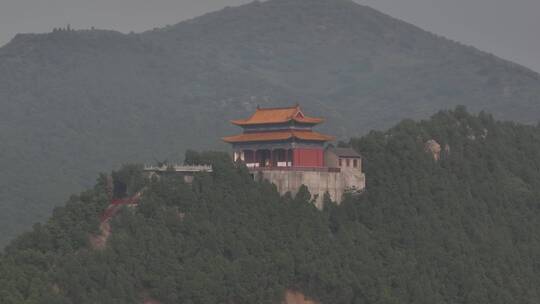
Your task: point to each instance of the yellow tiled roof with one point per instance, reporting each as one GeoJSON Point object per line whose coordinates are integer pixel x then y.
{"type": "Point", "coordinates": [277, 136]}
{"type": "Point", "coordinates": [277, 115]}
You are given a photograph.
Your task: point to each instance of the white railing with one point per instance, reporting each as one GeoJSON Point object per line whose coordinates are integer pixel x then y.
{"type": "Point", "coordinates": [179, 168]}
{"type": "Point", "coordinates": [279, 165]}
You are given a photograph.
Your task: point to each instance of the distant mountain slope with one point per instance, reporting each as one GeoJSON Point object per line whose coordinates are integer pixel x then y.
{"type": "Point", "coordinates": [78, 102]}
{"type": "Point", "coordinates": [463, 229]}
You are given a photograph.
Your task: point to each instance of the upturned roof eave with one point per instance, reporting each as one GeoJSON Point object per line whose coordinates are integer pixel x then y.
{"type": "Point", "coordinates": [308, 120]}
{"type": "Point", "coordinates": [270, 136]}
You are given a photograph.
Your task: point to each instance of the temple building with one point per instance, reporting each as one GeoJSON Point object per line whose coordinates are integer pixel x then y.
{"type": "Point", "coordinates": [280, 145]}
{"type": "Point", "coordinates": [279, 137]}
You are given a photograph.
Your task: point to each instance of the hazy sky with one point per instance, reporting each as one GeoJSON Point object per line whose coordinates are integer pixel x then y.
{"type": "Point", "coordinates": [507, 28]}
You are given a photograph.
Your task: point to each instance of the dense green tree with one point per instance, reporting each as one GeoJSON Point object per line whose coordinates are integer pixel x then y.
{"type": "Point", "coordinates": [110, 98]}
{"type": "Point", "coordinates": [461, 229]}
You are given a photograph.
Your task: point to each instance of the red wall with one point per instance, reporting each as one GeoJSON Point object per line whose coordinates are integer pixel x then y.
{"type": "Point", "coordinates": [308, 158]}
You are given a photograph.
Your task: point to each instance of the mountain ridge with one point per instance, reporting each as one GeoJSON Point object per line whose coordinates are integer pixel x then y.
{"type": "Point", "coordinates": [76, 103]}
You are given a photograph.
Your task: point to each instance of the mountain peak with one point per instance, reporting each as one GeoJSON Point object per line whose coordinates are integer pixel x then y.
{"type": "Point", "coordinates": [88, 99]}
{"type": "Point", "coordinates": [284, 8]}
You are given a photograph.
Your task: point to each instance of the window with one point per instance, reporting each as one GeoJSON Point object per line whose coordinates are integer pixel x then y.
{"type": "Point", "coordinates": [355, 163]}
{"type": "Point", "coordinates": [340, 162]}
{"type": "Point", "coordinates": [348, 162]}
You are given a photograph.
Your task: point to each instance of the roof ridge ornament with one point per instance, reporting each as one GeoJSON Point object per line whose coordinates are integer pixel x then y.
{"type": "Point", "coordinates": [278, 116]}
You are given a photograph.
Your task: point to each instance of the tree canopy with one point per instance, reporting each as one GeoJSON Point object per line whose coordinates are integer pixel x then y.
{"type": "Point", "coordinates": [458, 230]}
{"type": "Point", "coordinates": [76, 103]}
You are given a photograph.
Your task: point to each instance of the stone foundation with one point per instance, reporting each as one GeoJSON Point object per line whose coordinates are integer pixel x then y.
{"type": "Point", "coordinates": [319, 181]}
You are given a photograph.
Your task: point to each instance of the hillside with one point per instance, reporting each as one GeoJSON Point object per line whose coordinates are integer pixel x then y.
{"type": "Point", "coordinates": [459, 230]}
{"type": "Point", "coordinates": [75, 103]}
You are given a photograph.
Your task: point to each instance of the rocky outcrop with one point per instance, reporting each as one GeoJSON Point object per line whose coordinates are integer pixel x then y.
{"type": "Point", "coordinates": [434, 148]}
{"type": "Point", "coordinates": [295, 297]}
{"type": "Point", "coordinates": [98, 242]}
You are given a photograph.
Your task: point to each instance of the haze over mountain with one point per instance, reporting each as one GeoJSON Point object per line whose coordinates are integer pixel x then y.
{"type": "Point", "coordinates": [505, 28]}
{"type": "Point", "coordinates": [78, 102]}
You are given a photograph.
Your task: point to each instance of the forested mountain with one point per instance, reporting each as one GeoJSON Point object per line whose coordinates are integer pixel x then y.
{"type": "Point", "coordinates": [462, 229]}
{"type": "Point", "coordinates": [75, 103]}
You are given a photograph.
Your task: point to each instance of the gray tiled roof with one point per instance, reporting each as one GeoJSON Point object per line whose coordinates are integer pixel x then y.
{"type": "Point", "coordinates": [345, 152]}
